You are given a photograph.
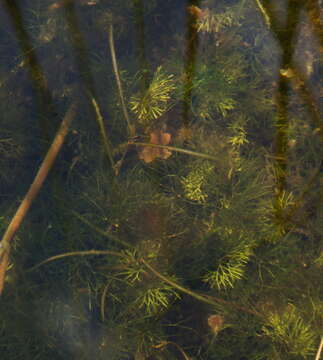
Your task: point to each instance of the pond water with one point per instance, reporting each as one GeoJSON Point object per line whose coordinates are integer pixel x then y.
{"type": "Point", "coordinates": [178, 211]}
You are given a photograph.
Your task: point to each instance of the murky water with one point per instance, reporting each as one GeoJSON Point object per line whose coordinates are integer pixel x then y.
{"type": "Point", "coordinates": [178, 214]}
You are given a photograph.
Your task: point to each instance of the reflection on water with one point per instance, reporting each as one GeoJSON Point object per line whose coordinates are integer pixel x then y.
{"type": "Point", "coordinates": [194, 160]}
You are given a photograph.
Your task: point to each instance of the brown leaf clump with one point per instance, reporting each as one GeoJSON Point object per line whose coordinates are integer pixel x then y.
{"type": "Point", "coordinates": [149, 153]}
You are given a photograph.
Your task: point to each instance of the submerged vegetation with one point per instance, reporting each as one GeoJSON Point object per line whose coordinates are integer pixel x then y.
{"type": "Point", "coordinates": [182, 218]}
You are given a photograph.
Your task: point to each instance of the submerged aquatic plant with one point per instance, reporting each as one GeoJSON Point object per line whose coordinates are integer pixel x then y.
{"type": "Point", "coordinates": [290, 332]}
{"type": "Point", "coordinates": [231, 268]}
{"type": "Point", "coordinates": [157, 298]}
{"type": "Point", "coordinates": [193, 257]}
{"type": "Point", "coordinates": [154, 101]}
{"type": "Point", "coordinates": [194, 183]}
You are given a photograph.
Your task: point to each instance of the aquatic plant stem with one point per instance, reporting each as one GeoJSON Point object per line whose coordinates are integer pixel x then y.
{"type": "Point", "coordinates": [100, 231]}
{"type": "Point", "coordinates": [105, 139]}
{"type": "Point", "coordinates": [76, 253]}
{"type": "Point", "coordinates": [33, 191]}
{"type": "Point", "coordinates": [165, 343]}
{"type": "Point", "coordinates": [192, 42]}
{"type": "Point", "coordinates": [264, 13]}
{"type": "Point", "coordinates": [82, 61]}
{"type": "Point", "coordinates": [319, 350]}
{"type": "Point", "coordinates": [102, 302]}
{"type": "Point", "coordinates": [173, 148]}
{"type": "Point", "coordinates": [31, 63]}
{"type": "Point", "coordinates": [117, 76]}
{"type": "Point", "coordinates": [211, 300]}
{"type": "Point", "coordinates": [179, 287]}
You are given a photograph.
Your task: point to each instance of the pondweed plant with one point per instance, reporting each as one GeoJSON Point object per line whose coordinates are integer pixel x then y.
{"type": "Point", "coordinates": [177, 237]}
{"type": "Point", "coordinates": [290, 332]}
{"type": "Point", "coordinates": [155, 101]}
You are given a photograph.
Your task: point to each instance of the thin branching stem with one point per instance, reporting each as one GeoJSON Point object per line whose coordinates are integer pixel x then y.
{"type": "Point", "coordinates": [102, 304]}
{"type": "Point", "coordinates": [77, 253]}
{"type": "Point", "coordinates": [100, 231]}
{"type": "Point", "coordinates": [204, 298]}
{"type": "Point", "coordinates": [117, 76]}
{"type": "Point", "coordinates": [99, 118]}
{"type": "Point", "coordinates": [179, 287]}
{"type": "Point", "coordinates": [165, 343]}
{"type": "Point", "coordinates": [85, 74]}
{"type": "Point", "coordinates": [173, 148]}
{"type": "Point", "coordinates": [263, 12]}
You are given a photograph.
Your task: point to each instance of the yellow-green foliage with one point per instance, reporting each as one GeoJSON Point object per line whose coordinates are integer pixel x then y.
{"type": "Point", "coordinates": [156, 298]}
{"type": "Point", "coordinates": [132, 269]}
{"type": "Point", "coordinates": [275, 215]}
{"type": "Point", "coordinates": [215, 88]}
{"type": "Point", "coordinates": [151, 104]}
{"type": "Point", "coordinates": [195, 182]}
{"type": "Point", "coordinates": [153, 296]}
{"type": "Point", "coordinates": [239, 135]}
{"type": "Point", "coordinates": [213, 22]}
{"type": "Point", "coordinates": [230, 269]}
{"type": "Point", "coordinates": [319, 260]}
{"type": "Point", "coordinates": [290, 332]}
{"type": "Point", "coordinates": [214, 92]}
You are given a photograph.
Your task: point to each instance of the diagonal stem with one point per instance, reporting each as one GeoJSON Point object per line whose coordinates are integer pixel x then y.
{"type": "Point", "coordinates": [23, 208]}
{"type": "Point", "coordinates": [119, 85]}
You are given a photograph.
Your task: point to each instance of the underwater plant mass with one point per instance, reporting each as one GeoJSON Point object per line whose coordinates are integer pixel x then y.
{"type": "Point", "coordinates": [161, 180]}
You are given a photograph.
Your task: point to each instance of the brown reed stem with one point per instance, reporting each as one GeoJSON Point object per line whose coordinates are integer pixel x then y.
{"type": "Point", "coordinates": [33, 191]}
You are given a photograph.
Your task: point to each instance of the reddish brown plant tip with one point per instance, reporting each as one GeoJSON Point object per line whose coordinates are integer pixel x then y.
{"type": "Point", "coordinates": [215, 322]}
{"type": "Point", "coordinates": [196, 11]}
{"type": "Point", "coordinates": [55, 6]}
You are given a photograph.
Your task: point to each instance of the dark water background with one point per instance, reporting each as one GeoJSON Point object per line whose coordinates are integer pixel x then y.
{"type": "Point", "coordinates": [227, 215]}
